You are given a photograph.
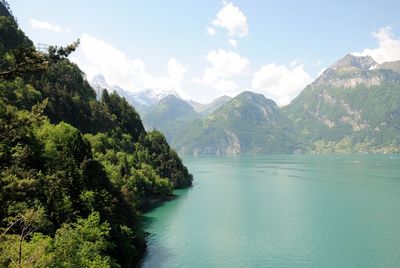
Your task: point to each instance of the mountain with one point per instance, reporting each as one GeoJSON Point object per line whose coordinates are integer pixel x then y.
{"type": "Point", "coordinates": [392, 65]}
{"type": "Point", "coordinates": [197, 106]}
{"type": "Point", "coordinates": [169, 115]}
{"type": "Point", "coordinates": [161, 110]}
{"type": "Point", "coordinates": [141, 100]}
{"type": "Point", "coordinates": [214, 105]}
{"type": "Point", "coordinates": [149, 97]}
{"type": "Point", "coordinates": [248, 123]}
{"type": "Point", "coordinates": [206, 109]}
{"type": "Point", "coordinates": [99, 83]}
{"type": "Point", "coordinates": [354, 106]}
{"type": "Point", "coordinates": [172, 114]}
{"type": "Point", "coordinates": [351, 62]}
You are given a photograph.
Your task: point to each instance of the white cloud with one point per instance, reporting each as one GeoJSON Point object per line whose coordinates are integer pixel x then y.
{"type": "Point", "coordinates": [232, 19]}
{"type": "Point", "coordinates": [175, 70]}
{"type": "Point", "coordinates": [225, 86]}
{"type": "Point", "coordinates": [388, 47]}
{"type": "Point", "coordinates": [96, 56]}
{"type": "Point", "coordinates": [280, 83]}
{"type": "Point", "coordinates": [232, 42]}
{"type": "Point", "coordinates": [46, 26]}
{"type": "Point", "coordinates": [224, 65]}
{"type": "Point", "coordinates": [211, 31]}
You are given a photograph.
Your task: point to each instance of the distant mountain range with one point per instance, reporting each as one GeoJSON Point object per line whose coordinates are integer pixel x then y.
{"type": "Point", "coordinates": [144, 100]}
{"type": "Point", "coordinates": [354, 106]}
{"type": "Point", "coordinates": [141, 100]}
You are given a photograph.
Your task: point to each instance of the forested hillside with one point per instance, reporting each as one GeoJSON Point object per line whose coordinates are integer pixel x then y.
{"type": "Point", "coordinates": [75, 173]}
{"type": "Point", "coordinates": [247, 124]}
{"type": "Point", "coordinates": [169, 115]}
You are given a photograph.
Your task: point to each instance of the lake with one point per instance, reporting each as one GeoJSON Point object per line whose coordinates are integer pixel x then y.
{"type": "Point", "coordinates": [281, 211]}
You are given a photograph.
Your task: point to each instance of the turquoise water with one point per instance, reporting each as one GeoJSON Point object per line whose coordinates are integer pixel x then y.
{"type": "Point", "coordinates": [281, 211]}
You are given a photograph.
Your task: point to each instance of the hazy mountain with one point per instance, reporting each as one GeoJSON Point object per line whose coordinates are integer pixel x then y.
{"type": "Point", "coordinates": [99, 83]}
{"type": "Point", "coordinates": [392, 65]}
{"type": "Point", "coordinates": [169, 115]}
{"type": "Point", "coordinates": [354, 106]}
{"type": "Point", "coordinates": [197, 106]}
{"type": "Point", "coordinates": [249, 123]}
{"type": "Point", "coordinates": [149, 97]}
{"type": "Point", "coordinates": [206, 109]}
{"type": "Point", "coordinates": [141, 100]}
{"type": "Point", "coordinates": [214, 105]}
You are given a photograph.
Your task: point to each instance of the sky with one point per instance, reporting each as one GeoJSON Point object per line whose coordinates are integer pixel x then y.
{"type": "Point", "coordinates": [209, 48]}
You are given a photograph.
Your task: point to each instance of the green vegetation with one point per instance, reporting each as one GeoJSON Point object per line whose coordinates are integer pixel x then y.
{"type": "Point", "coordinates": [170, 115]}
{"type": "Point", "coordinates": [353, 107]}
{"type": "Point", "coordinates": [249, 123]}
{"type": "Point", "coordinates": [75, 173]}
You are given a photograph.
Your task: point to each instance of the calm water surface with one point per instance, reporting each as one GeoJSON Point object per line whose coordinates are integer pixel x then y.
{"type": "Point", "coordinates": [281, 211]}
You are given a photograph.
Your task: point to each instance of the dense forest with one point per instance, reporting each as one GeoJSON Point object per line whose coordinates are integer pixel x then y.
{"type": "Point", "coordinates": [75, 172]}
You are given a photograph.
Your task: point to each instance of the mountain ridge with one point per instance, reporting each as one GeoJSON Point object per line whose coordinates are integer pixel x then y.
{"type": "Point", "coordinates": [350, 108]}
{"type": "Point", "coordinates": [354, 106]}
{"type": "Point", "coordinates": [142, 100]}
{"type": "Point", "coordinates": [228, 130]}
{"type": "Point", "coordinates": [327, 116]}
{"type": "Point", "coordinates": [169, 115]}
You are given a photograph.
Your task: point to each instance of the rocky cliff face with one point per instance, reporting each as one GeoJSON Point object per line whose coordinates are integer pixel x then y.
{"type": "Point", "coordinates": [352, 71]}
{"type": "Point", "coordinates": [351, 62]}
{"type": "Point", "coordinates": [349, 107]}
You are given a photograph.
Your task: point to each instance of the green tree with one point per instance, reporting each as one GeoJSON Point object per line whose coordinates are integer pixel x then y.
{"type": "Point", "coordinates": [16, 249]}
{"type": "Point", "coordinates": [83, 244]}
{"type": "Point", "coordinates": [19, 56]}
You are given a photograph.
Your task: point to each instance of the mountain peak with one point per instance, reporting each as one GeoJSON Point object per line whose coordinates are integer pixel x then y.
{"type": "Point", "coordinates": [172, 98]}
{"type": "Point", "coordinates": [349, 72]}
{"type": "Point", "coordinates": [351, 61]}
{"type": "Point", "coordinates": [168, 115]}
{"type": "Point", "coordinates": [256, 98]}
{"type": "Point", "coordinates": [251, 95]}
{"type": "Point", "coordinates": [247, 123]}
{"type": "Point", "coordinates": [98, 79]}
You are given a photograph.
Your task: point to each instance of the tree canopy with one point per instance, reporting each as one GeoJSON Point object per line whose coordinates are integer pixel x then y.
{"type": "Point", "coordinates": [75, 173]}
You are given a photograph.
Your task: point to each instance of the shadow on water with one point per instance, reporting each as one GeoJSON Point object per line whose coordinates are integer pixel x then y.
{"type": "Point", "coordinates": [154, 260]}
{"type": "Point", "coordinates": [156, 202]}
{"type": "Point", "coordinates": [147, 221]}
{"type": "Point", "coordinates": [158, 254]}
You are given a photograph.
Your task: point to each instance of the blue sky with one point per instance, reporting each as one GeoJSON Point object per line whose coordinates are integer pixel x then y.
{"type": "Point", "coordinates": [205, 49]}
